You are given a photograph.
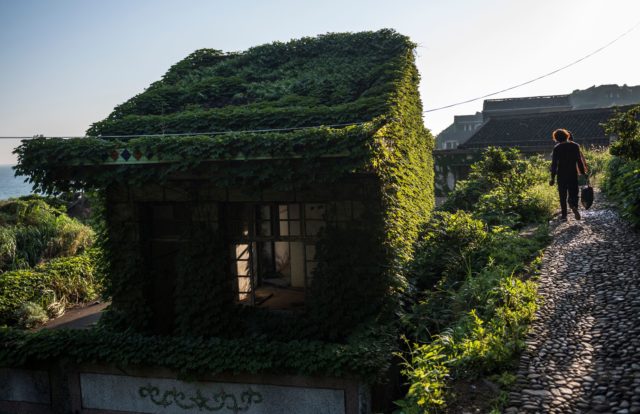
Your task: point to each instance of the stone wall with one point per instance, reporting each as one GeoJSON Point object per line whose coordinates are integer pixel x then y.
{"type": "Point", "coordinates": [92, 389]}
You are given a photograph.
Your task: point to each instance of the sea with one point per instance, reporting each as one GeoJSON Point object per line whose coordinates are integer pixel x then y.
{"type": "Point", "coordinates": [11, 186]}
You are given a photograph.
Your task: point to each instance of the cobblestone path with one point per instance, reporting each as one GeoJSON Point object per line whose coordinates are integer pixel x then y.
{"type": "Point", "coordinates": [583, 353]}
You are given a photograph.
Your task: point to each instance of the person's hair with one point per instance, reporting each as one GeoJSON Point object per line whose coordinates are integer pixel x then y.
{"type": "Point", "coordinates": [561, 135]}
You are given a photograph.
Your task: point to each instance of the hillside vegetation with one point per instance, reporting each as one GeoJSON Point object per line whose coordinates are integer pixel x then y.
{"type": "Point", "coordinates": [46, 261]}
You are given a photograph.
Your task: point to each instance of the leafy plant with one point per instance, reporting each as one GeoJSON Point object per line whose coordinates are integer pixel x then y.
{"type": "Point", "coordinates": [33, 231]}
{"type": "Point", "coordinates": [622, 181]}
{"type": "Point", "coordinates": [64, 280]}
{"type": "Point", "coordinates": [505, 189]}
{"type": "Point", "coordinates": [625, 126]}
{"type": "Point", "coordinates": [31, 315]}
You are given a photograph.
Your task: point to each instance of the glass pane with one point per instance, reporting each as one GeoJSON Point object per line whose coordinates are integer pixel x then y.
{"type": "Point", "coordinates": [266, 265]}
{"type": "Point", "coordinates": [244, 288]}
{"type": "Point", "coordinates": [283, 259]}
{"type": "Point", "coordinates": [294, 211]}
{"type": "Point", "coordinates": [242, 267]}
{"type": "Point", "coordinates": [283, 212]}
{"type": "Point", "coordinates": [294, 228]}
{"type": "Point", "coordinates": [284, 228]}
{"type": "Point", "coordinates": [242, 251]}
{"type": "Point", "coordinates": [314, 211]}
{"type": "Point", "coordinates": [313, 227]}
{"type": "Point", "coordinates": [296, 255]}
{"type": "Point", "coordinates": [311, 266]}
{"type": "Point", "coordinates": [311, 251]}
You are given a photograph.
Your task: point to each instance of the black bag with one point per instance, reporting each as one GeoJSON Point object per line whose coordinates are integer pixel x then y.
{"type": "Point", "coordinates": [586, 195]}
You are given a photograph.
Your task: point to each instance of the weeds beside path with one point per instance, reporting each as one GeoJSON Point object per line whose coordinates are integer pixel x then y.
{"type": "Point", "coordinates": [583, 352]}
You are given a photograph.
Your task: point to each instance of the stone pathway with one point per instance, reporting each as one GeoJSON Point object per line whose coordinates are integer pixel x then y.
{"type": "Point", "coordinates": [583, 353]}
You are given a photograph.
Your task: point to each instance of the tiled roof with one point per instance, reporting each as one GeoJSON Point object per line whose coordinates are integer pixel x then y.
{"type": "Point", "coordinates": [534, 130]}
{"type": "Point", "coordinates": [531, 102]}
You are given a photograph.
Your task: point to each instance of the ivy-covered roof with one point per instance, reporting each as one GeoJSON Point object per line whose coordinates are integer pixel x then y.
{"type": "Point", "coordinates": [330, 79]}
{"type": "Point", "coordinates": [325, 106]}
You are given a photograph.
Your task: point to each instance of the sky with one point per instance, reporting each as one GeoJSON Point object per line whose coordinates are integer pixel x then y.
{"type": "Point", "coordinates": [65, 64]}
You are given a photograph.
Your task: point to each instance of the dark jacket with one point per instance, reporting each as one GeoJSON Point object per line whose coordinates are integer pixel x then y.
{"type": "Point", "coordinates": [567, 161]}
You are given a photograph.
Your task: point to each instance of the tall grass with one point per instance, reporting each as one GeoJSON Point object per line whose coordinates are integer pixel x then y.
{"type": "Point", "coordinates": [52, 285]}
{"type": "Point", "coordinates": [32, 231]}
{"type": "Point", "coordinates": [598, 160]}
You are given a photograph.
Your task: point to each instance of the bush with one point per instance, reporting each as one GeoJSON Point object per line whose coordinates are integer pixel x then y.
{"type": "Point", "coordinates": [598, 162]}
{"type": "Point", "coordinates": [446, 248]}
{"type": "Point", "coordinates": [32, 231]}
{"type": "Point", "coordinates": [626, 127]}
{"type": "Point", "coordinates": [65, 280]}
{"type": "Point", "coordinates": [31, 315]}
{"type": "Point", "coordinates": [505, 189]}
{"type": "Point", "coordinates": [622, 181]}
{"type": "Point", "coordinates": [472, 309]}
{"type": "Point", "coordinates": [16, 288]}
{"type": "Point", "coordinates": [622, 185]}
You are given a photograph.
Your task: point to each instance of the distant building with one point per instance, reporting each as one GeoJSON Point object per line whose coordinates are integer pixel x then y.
{"type": "Point", "coordinates": [527, 123]}
{"type": "Point", "coordinates": [532, 132]}
{"type": "Point", "coordinates": [460, 131]}
{"type": "Point", "coordinates": [603, 96]}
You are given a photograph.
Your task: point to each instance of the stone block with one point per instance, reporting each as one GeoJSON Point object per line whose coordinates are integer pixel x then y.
{"type": "Point", "coordinates": [24, 386]}
{"type": "Point", "coordinates": [169, 396]}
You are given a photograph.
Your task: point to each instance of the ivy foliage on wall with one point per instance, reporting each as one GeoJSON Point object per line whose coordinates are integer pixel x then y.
{"type": "Point", "coordinates": [366, 357]}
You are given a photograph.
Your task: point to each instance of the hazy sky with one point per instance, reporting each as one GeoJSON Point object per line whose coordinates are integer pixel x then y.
{"type": "Point", "coordinates": [65, 64]}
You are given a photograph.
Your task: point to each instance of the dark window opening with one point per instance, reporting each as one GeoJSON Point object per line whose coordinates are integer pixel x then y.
{"type": "Point", "coordinates": [273, 247]}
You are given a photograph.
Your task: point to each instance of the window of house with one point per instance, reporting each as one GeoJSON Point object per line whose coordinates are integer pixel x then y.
{"type": "Point", "coordinates": [273, 251]}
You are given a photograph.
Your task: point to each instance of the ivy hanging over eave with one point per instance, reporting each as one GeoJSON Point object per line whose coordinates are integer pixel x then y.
{"type": "Point", "coordinates": [55, 165]}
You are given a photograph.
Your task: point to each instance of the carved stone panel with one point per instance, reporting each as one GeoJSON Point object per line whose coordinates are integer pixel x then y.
{"type": "Point", "coordinates": [169, 396]}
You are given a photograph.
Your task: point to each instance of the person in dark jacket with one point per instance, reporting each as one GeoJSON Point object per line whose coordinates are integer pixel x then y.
{"type": "Point", "coordinates": [566, 163]}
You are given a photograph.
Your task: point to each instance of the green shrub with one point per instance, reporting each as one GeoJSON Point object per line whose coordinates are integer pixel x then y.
{"type": "Point", "coordinates": [622, 185]}
{"type": "Point", "coordinates": [31, 315]}
{"type": "Point", "coordinates": [73, 280]}
{"type": "Point", "coordinates": [447, 246]}
{"type": "Point", "coordinates": [598, 163]}
{"type": "Point", "coordinates": [65, 280]}
{"type": "Point", "coordinates": [626, 127]}
{"type": "Point", "coordinates": [32, 231]}
{"type": "Point", "coordinates": [476, 326]}
{"type": "Point", "coordinates": [622, 181]}
{"type": "Point", "coordinates": [426, 371]}
{"type": "Point", "coordinates": [472, 346]}
{"type": "Point", "coordinates": [500, 253]}
{"type": "Point", "coordinates": [505, 189]}
{"type": "Point", "coordinates": [16, 288]}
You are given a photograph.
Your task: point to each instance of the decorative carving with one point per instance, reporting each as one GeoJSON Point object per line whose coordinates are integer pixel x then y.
{"type": "Point", "coordinates": [218, 401]}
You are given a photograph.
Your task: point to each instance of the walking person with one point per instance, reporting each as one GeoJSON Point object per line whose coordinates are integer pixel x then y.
{"type": "Point", "coordinates": [566, 162]}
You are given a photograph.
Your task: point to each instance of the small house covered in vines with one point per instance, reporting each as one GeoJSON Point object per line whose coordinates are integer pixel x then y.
{"type": "Point", "coordinates": [259, 209]}
{"type": "Point", "coordinates": [273, 191]}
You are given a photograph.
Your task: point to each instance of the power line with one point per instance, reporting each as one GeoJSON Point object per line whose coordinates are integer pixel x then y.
{"type": "Point", "coordinates": [539, 77]}
{"type": "Point", "coordinates": [186, 134]}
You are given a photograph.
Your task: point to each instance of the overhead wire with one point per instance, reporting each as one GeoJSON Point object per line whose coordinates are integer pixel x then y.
{"type": "Point", "coordinates": [186, 134]}
{"type": "Point", "coordinates": [539, 77]}
{"type": "Point", "coordinates": [575, 62]}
